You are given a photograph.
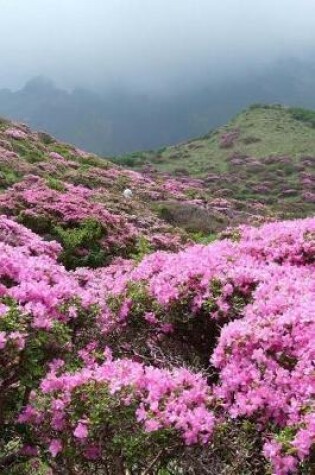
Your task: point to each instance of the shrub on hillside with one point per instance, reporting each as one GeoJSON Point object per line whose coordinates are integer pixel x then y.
{"type": "Point", "coordinates": [191, 218]}
{"type": "Point", "coordinates": [304, 115]}
{"type": "Point", "coordinates": [89, 233]}
{"type": "Point", "coordinates": [227, 139]}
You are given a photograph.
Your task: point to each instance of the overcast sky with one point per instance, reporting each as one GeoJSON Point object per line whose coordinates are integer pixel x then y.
{"type": "Point", "coordinates": [149, 44]}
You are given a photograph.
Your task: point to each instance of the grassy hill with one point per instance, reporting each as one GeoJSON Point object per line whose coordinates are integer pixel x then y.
{"type": "Point", "coordinates": [266, 153]}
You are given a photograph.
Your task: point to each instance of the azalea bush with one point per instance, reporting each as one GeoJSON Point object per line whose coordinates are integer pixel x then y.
{"type": "Point", "coordinates": [77, 217]}
{"type": "Point", "coordinates": [37, 303]}
{"type": "Point", "coordinates": [156, 365]}
{"type": "Point", "coordinates": [119, 414]}
{"type": "Point", "coordinates": [89, 233]}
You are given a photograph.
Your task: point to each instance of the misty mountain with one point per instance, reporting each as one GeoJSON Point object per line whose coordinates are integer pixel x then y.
{"type": "Point", "coordinates": [119, 121]}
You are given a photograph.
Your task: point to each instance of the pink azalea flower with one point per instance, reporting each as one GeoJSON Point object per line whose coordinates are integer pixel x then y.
{"type": "Point", "coordinates": [81, 431]}
{"type": "Point", "coordinates": [55, 447]}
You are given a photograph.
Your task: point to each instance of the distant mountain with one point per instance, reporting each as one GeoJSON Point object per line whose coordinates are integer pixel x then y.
{"type": "Point", "coordinates": [115, 122]}
{"type": "Point", "coordinates": [74, 117]}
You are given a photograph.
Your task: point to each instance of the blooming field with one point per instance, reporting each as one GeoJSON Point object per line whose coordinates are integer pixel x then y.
{"type": "Point", "coordinates": [116, 365]}
{"type": "Point", "coordinates": [194, 359]}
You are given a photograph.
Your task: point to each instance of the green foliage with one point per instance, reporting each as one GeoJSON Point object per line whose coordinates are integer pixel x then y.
{"type": "Point", "coordinates": [273, 139]}
{"type": "Point", "coordinates": [27, 151]}
{"type": "Point", "coordinates": [47, 139]}
{"type": "Point", "coordinates": [122, 437]}
{"type": "Point", "coordinates": [142, 248]}
{"type": "Point", "coordinates": [42, 347]}
{"type": "Point", "coordinates": [201, 238]}
{"type": "Point", "coordinates": [81, 244]}
{"type": "Point", "coordinates": [131, 160]}
{"type": "Point", "coordinates": [304, 115]}
{"type": "Point", "coordinates": [94, 161]}
{"type": "Point", "coordinates": [55, 184]}
{"type": "Point", "coordinates": [12, 320]}
{"type": "Point", "coordinates": [32, 467]}
{"type": "Point", "coordinates": [8, 177]}
{"type": "Point", "coordinates": [258, 105]}
{"type": "Point", "coordinates": [29, 364]}
{"type": "Point", "coordinates": [285, 437]}
{"type": "Point", "coordinates": [161, 150]}
{"type": "Point", "coordinates": [137, 292]}
{"type": "Point", "coordinates": [63, 149]}
{"type": "Point", "coordinates": [126, 161]}
{"type": "Point", "coordinates": [39, 224]}
{"type": "Point", "coordinates": [236, 449]}
{"type": "Point", "coordinates": [4, 122]}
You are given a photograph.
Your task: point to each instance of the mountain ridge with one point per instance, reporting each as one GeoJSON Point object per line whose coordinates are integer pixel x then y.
{"type": "Point", "coordinates": [115, 120]}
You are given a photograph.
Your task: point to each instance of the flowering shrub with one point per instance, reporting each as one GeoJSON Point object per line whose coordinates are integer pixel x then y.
{"type": "Point", "coordinates": [26, 241]}
{"type": "Point", "coordinates": [263, 288]}
{"type": "Point", "coordinates": [119, 409]}
{"type": "Point", "coordinates": [227, 139]}
{"type": "Point", "coordinates": [16, 133]}
{"type": "Point", "coordinates": [244, 304]}
{"type": "Point", "coordinates": [46, 314]}
{"type": "Point", "coordinates": [39, 303]}
{"type": "Point", "coordinates": [199, 360]}
{"type": "Point", "coordinates": [89, 233]}
{"type": "Point", "coordinates": [265, 363]}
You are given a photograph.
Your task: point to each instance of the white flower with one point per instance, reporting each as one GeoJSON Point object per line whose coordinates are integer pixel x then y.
{"type": "Point", "coordinates": [127, 193]}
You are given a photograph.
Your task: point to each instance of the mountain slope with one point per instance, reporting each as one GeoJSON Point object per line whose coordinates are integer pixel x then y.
{"type": "Point", "coordinates": [266, 153]}
{"type": "Point", "coordinates": [75, 197]}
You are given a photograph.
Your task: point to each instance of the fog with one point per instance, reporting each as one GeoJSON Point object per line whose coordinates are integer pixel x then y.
{"type": "Point", "coordinates": [149, 45]}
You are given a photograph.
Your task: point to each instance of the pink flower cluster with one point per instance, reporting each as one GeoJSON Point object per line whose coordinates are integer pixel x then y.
{"type": "Point", "coordinates": [16, 133]}
{"type": "Point", "coordinates": [266, 361]}
{"type": "Point", "coordinates": [32, 198]}
{"type": "Point", "coordinates": [290, 241]}
{"type": "Point", "coordinates": [36, 292]}
{"type": "Point", "coordinates": [30, 276]}
{"type": "Point", "coordinates": [162, 399]}
{"type": "Point", "coordinates": [265, 354]}
{"type": "Point", "coordinates": [28, 242]}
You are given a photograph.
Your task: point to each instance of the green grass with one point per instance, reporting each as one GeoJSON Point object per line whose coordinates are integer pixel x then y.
{"type": "Point", "coordinates": [8, 176]}
{"type": "Point", "coordinates": [275, 136]}
{"type": "Point", "coordinates": [30, 152]}
{"type": "Point", "coordinates": [276, 131]}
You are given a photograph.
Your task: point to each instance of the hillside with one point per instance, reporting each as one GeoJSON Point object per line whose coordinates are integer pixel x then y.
{"type": "Point", "coordinates": [162, 205]}
{"type": "Point", "coordinates": [266, 153]}
{"type": "Point", "coordinates": [127, 348]}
